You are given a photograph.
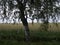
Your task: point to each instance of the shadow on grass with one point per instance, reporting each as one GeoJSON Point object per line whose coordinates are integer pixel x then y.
{"type": "Point", "coordinates": [35, 36]}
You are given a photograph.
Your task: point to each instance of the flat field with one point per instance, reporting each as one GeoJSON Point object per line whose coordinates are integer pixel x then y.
{"type": "Point", "coordinates": [34, 27]}
{"type": "Point", "coordinates": [13, 34]}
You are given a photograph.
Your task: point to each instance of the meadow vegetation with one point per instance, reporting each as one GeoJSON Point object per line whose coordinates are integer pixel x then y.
{"type": "Point", "coordinates": [11, 34]}
{"type": "Point", "coordinates": [34, 27]}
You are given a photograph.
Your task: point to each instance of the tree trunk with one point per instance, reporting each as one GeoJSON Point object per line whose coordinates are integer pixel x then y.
{"type": "Point", "coordinates": [37, 20]}
{"type": "Point", "coordinates": [26, 28]}
{"type": "Point", "coordinates": [21, 7]}
{"type": "Point", "coordinates": [32, 21]}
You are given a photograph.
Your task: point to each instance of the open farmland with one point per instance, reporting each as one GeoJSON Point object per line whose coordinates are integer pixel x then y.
{"type": "Point", "coordinates": [13, 34]}
{"type": "Point", "coordinates": [35, 27]}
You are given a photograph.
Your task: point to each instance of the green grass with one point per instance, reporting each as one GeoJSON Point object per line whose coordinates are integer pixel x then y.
{"type": "Point", "coordinates": [15, 37]}
{"type": "Point", "coordinates": [32, 43]}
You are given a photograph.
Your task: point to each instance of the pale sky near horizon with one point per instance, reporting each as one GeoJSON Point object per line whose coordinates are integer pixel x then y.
{"type": "Point", "coordinates": [29, 21]}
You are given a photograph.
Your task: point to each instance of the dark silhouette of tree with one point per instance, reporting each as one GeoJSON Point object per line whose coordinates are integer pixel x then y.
{"type": "Point", "coordinates": [21, 7]}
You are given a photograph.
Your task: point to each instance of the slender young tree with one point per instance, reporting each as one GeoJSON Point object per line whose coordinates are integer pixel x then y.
{"type": "Point", "coordinates": [21, 7]}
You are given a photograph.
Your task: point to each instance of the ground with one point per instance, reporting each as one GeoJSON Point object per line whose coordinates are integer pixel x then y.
{"type": "Point", "coordinates": [11, 34]}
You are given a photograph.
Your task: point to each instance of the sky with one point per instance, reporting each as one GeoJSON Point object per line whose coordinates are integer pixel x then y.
{"type": "Point", "coordinates": [29, 21]}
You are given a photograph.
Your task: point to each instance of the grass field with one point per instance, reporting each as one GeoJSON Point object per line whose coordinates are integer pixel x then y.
{"type": "Point", "coordinates": [37, 38]}
{"type": "Point", "coordinates": [11, 34]}
{"type": "Point", "coordinates": [52, 27]}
